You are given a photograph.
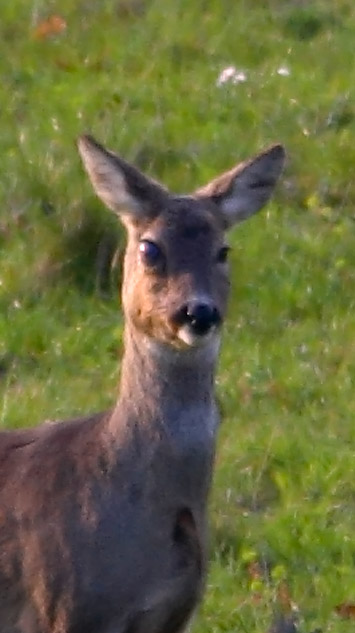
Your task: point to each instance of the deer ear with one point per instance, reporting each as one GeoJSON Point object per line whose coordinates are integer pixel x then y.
{"type": "Point", "coordinates": [245, 189]}
{"type": "Point", "coordinates": [121, 186]}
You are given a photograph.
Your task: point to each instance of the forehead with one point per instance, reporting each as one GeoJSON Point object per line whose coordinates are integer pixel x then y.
{"type": "Point", "coordinates": [188, 219]}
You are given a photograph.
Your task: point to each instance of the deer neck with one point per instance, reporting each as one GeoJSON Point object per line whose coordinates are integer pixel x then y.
{"type": "Point", "coordinates": [170, 388]}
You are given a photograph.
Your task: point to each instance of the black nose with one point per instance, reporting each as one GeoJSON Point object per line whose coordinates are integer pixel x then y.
{"type": "Point", "coordinates": [199, 316]}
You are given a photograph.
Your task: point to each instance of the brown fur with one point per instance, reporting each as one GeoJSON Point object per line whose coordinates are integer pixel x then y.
{"type": "Point", "coordinates": [103, 519]}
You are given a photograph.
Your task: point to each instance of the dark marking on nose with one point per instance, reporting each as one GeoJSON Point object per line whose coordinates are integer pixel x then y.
{"type": "Point", "coordinates": [200, 317]}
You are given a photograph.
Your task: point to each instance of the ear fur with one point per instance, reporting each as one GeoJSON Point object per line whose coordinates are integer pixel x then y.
{"type": "Point", "coordinates": [245, 189]}
{"type": "Point", "coordinates": [122, 187]}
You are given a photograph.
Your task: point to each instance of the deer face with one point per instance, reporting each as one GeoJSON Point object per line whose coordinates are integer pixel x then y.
{"type": "Point", "coordinates": [176, 274]}
{"type": "Point", "coordinates": [176, 282]}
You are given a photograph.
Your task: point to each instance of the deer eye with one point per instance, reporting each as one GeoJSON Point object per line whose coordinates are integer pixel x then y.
{"type": "Point", "coordinates": [222, 254]}
{"type": "Point", "coordinates": [151, 253]}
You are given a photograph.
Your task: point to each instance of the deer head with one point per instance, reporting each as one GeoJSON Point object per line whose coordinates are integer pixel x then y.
{"type": "Point", "coordinates": [176, 281]}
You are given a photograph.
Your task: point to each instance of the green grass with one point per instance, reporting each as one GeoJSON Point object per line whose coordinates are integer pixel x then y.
{"type": "Point", "coordinates": [141, 76]}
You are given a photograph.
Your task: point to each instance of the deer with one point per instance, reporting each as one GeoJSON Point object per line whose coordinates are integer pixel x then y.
{"type": "Point", "coordinates": [103, 519]}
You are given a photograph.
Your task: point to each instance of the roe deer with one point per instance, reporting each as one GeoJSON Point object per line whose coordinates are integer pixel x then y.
{"type": "Point", "coordinates": [103, 518]}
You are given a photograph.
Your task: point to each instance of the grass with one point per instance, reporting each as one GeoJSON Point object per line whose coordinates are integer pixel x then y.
{"type": "Point", "coordinates": [142, 78]}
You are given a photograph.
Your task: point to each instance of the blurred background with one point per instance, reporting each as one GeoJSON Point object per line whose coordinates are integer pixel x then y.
{"type": "Point", "coordinates": [185, 90]}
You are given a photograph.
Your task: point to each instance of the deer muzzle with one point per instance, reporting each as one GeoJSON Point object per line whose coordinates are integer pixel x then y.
{"type": "Point", "coordinates": [196, 320]}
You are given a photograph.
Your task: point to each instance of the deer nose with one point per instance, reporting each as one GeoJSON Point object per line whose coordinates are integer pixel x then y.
{"type": "Point", "coordinates": [200, 317]}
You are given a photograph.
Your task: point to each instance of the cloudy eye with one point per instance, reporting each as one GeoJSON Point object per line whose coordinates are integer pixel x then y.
{"type": "Point", "coordinates": [151, 253]}
{"type": "Point", "coordinates": [222, 254]}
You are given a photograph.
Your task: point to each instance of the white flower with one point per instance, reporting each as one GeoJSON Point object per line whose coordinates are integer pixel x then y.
{"type": "Point", "coordinates": [283, 71]}
{"type": "Point", "coordinates": [232, 75]}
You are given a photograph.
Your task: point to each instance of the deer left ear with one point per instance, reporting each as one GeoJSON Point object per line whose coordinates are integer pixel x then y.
{"type": "Point", "coordinates": [122, 187]}
{"type": "Point", "coordinates": [245, 189]}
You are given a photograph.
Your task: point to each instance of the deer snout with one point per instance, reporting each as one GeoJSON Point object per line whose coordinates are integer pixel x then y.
{"type": "Point", "coordinates": [199, 317]}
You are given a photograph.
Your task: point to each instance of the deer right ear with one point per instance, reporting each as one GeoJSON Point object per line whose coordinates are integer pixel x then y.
{"type": "Point", "coordinates": [121, 186]}
{"type": "Point", "coordinates": [245, 189]}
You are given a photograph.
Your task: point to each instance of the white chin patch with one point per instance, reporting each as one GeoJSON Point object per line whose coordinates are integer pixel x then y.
{"type": "Point", "coordinates": [194, 340]}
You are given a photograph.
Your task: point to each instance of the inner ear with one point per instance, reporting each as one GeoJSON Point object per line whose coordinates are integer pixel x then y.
{"type": "Point", "coordinates": [245, 189]}
{"type": "Point", "coordinates": [121, 186]}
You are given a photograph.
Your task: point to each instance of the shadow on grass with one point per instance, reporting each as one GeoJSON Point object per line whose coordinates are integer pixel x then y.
{"type": "Point", "coordinates": [91, 255]}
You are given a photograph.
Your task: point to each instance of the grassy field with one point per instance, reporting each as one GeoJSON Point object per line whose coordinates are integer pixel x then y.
{"type": "Point", "coordinates": [142, 77]}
